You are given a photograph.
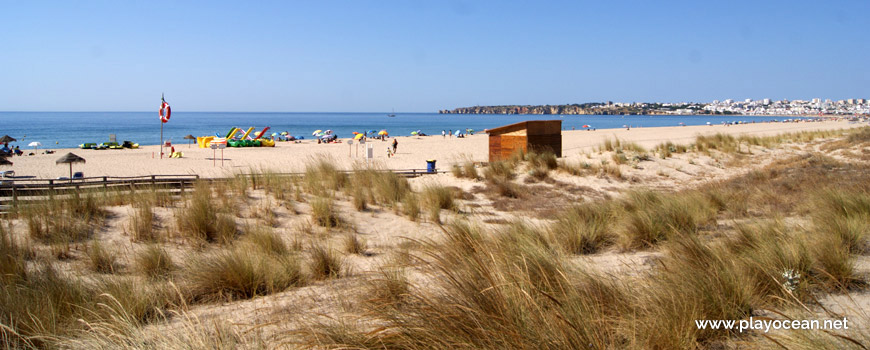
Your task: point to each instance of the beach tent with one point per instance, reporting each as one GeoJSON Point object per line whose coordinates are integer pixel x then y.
{"type": "Point", "coordinates": [70, 158]}
{"type": "Point", "coordinates": [189, 137]}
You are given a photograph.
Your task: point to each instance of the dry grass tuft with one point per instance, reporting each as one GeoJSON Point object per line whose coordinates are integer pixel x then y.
{"type": "Point", "coordinates": [240, 273]}
{"type": "Point", "coordinates": [154, 262]}
{"type": "Point", "coordinates": [585, 229]}
{"type": "Point", "coordinates": [324, 213]}
{"type": "Point", "coordinates": [353, 244]}
{"type": "Point", "coordinates": [202, 221]}
{"type": "Point", "coordinates": [325, 263]}
{"type": "Point", "coordinates": [101, 259]}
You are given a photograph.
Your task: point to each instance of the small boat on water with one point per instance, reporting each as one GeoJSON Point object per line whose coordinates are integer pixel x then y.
{"type": "Point", "coordinates": [393, 114]}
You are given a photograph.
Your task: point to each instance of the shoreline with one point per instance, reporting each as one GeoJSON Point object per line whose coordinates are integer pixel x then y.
{"type": "Point", "coordinates": [412, 152]}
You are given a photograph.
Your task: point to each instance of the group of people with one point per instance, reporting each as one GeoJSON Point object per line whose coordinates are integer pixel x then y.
{"type": "Point", "coordinates": [11, 151]}
{"type": "Point", "coordinates": [445, 133]}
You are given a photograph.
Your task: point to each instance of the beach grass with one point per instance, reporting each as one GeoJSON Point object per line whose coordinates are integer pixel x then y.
{"type": "Point", "coordinates": [772, 240]}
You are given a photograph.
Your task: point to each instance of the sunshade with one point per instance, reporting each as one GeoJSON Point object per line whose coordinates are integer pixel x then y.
{"type": "Point", "coordinates": [414, 133]}
{"type": "Point", "coordinates": [585, 125]}
{"type": "Point", "coordinates": [4, 161]}
{"type": "Point", "coordinates": [70, 158]}
{"type": "Point", "coordinates": [34, 144]}
{"type": "Point", "coordinates": [358, 136]}
{"type": "Point", "coordinates": [316, 132]}
{"type": "Point", "coordinates": [383, 132]}
{"type": "Point", "coordinates": [190, 137]}
{"type": "Point", "coordinates": [284, 133]}
{"type": "Point", "coordinates": [7, 138]}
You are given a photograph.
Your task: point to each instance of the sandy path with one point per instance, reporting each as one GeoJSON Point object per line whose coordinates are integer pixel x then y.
{"type": "Point", "coordinates": [412, 152]}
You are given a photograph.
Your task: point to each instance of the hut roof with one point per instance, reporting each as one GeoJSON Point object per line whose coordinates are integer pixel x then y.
{"type": "Point", "coordinates": [534, 127]}
{"type": "Point", "coordinates": [70, 158]}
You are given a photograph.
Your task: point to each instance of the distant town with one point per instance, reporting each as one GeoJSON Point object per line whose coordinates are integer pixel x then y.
{"type": "Point", "coordinates": [813, 107]}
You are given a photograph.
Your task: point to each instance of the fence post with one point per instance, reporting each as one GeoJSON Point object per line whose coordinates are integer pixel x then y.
{"type": "Point", "coordinates": [105, 182]}
{"type": "Point", "coordinates": [14, 197]}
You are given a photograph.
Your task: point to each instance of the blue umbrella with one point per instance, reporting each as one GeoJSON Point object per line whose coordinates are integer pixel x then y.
{"type": "Point", "coordinates": [457, 132]}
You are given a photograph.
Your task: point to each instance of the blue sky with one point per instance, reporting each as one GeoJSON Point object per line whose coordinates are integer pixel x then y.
{"type": "Point", "coordinates": [368, 56]}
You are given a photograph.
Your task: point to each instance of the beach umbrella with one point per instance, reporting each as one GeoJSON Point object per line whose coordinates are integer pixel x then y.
{"type": "Point", "coordinates": [414, 133]}
{"type": "Point", "coordinates": [7, 139]}
{"type": "Point", "coordinates": [316, 132]}
{"type": "Point", "coordinates": [70, 158]}
{"type": "Point", "coordinates": [274, 134]}
{"type": "Point", "coordinates": [355, 133]}
{"type": "Point", "coordinates": [189, 137]}
{"type": "Point", "coordinates": [358, 136]}
{"type": "Point", "coordinates": [457, 133]}
{"type": "Point", "coordinates": [284, 133]}
{"type": "Point", "coordinates": [383, 132]}
{"type": "Point", "coordinates": [328, 132]}
{"type": "Point", "coordinates": [34, 144]}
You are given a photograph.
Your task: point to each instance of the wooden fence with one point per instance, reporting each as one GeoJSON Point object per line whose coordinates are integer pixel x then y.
{"type": "Point", "coordinates": [14, 191]}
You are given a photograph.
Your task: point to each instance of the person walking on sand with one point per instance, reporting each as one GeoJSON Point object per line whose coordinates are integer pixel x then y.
{"type": "Point", "coordinates": [389, 154]}
{"type": "Point", "coordinates": [395, 144]}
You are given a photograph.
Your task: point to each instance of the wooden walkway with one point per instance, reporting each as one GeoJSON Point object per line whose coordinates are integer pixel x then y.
{"type": "Point", "coordinates": [16, 191]}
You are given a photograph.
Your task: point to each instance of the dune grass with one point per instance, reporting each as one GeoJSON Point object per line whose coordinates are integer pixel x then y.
{"type": "Point", "coordinates": [651, 217]}
{"type": "Point", "coordinates": [325, 263]}
{"type": "Point", "coordinates": [239, 272]}
{"type": "Point", "coordinates": [435, 198]}
{"type": "Point", "coordinates": [154, 262]}
{"type": "Point", "coordinates": [102, 259]}
{"type": "Point", "coordinates": [201, 219]}
{"type": "Point", "coordinates": [411, 206]}
{"type": "Point", "coordinates": [142, 222]}
{"type": "Point", "coordinates": [324, 213]}
{"type": "Point", "coordinates": [585, 229]}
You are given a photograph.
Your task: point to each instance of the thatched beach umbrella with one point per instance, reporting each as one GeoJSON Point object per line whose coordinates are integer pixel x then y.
{"type": "Point", "coordinates": [7, 139]}
{"type": "Point", "coordinates": [189, 137]}
{"type": "Point", "coordinates": [70, 158]}
{"type": "Point", "coordinates": [4, 161]}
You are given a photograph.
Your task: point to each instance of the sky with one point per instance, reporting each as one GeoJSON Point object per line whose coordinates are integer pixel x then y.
{"type": "Point", "coordinates": [422, 56]}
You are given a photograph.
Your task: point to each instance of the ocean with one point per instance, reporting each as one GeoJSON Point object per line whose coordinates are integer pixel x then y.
{"type": "Point", "coordinates": [69, 129]}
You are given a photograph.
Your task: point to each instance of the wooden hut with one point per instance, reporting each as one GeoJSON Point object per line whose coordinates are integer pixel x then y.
{"type": "Point", "coordinates": [529, 136]}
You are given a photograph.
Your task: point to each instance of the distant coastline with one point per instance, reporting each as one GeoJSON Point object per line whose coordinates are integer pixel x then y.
{"type": "Point", "coordinates": [748, 107]}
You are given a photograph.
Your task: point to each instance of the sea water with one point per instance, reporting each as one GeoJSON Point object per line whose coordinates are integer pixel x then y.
{"type": "Point", "coordinates": [69, 129]}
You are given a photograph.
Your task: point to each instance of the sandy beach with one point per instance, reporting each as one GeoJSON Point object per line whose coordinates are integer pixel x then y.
{"type": "Point", "coordinates": [412, 152]}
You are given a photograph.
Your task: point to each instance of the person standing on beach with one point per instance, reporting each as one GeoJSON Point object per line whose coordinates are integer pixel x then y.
{"type": "Point", "coordinates": [395, 144]}
{"type": "Point", "coordinates": [443, 134]}
{"type": "Point", "coordinates": [450, 132]}
{"type": "Point", "coordinates": [389, 154]}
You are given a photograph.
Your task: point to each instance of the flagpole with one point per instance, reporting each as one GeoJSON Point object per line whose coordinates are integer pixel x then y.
{"type": "Point", "coordinates": [162, 101]}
